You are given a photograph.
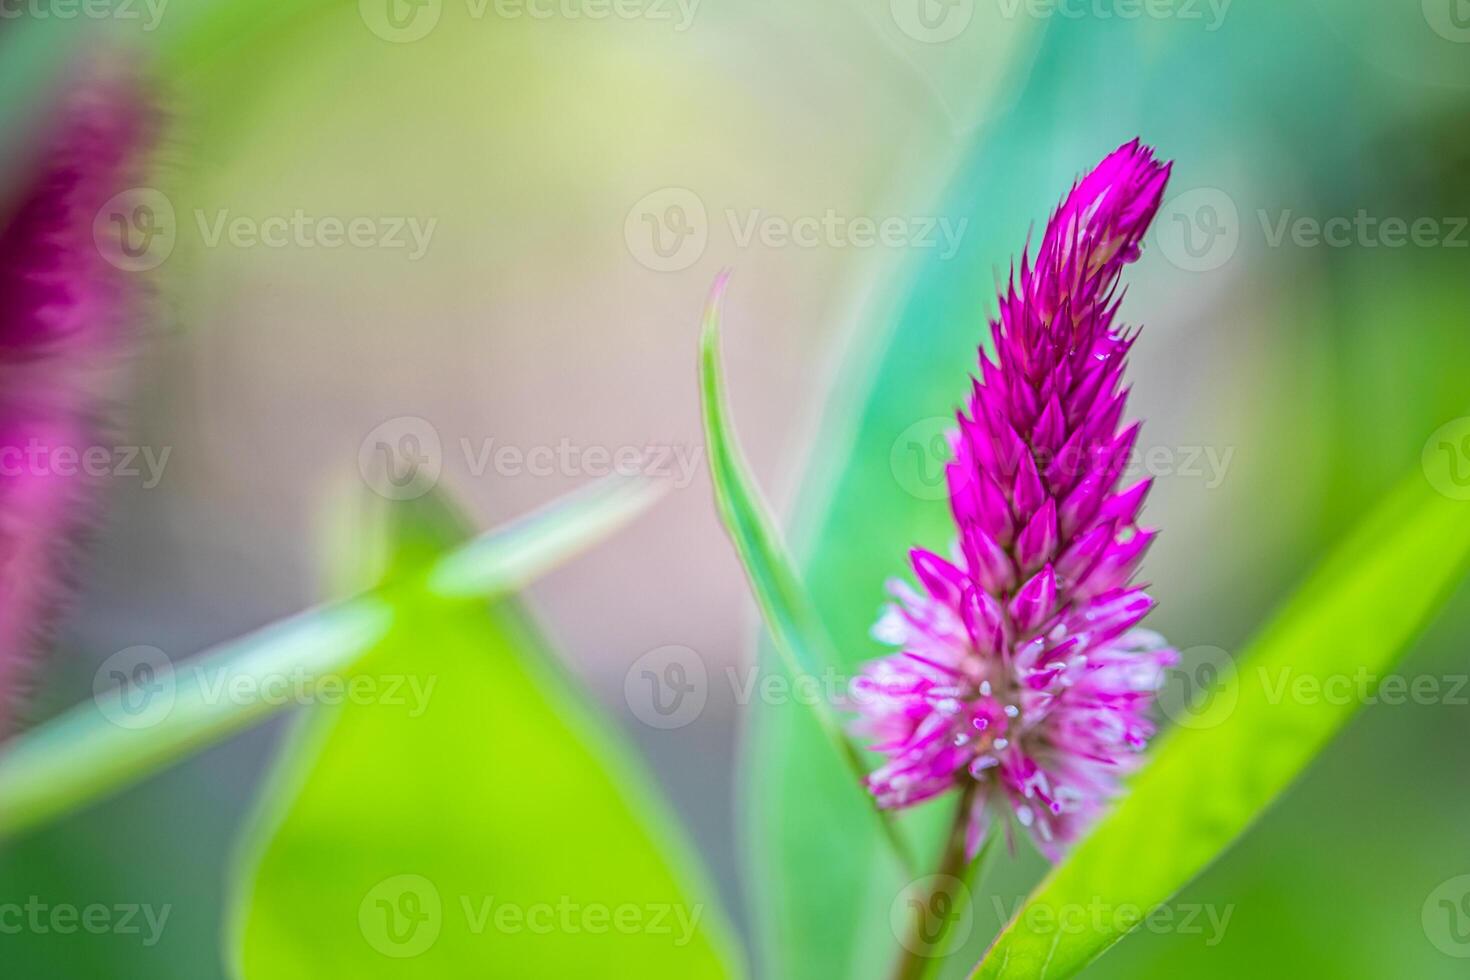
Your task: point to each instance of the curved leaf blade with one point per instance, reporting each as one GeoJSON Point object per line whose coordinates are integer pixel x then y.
{"type": "Point", "coordinates": [1208, 784]}
{"type": "Point", "coordinates": [796, 629]}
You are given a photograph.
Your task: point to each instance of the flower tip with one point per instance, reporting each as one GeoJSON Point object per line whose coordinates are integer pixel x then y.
{"type": "Point", "coordinates": [722, 282]}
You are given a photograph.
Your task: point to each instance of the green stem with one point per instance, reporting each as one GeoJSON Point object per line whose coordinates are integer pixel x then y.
{"type": "Point", "coordinates": [923, 956]}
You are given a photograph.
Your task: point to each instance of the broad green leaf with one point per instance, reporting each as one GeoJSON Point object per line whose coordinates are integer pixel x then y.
{"type": "Point", "coordinates": [497, 828]}
{"type": "Point", "coordinates": [796, 629]}
{"type": "Point", "coordinates": [1211, 779]}
{"type": "Point", "coordinates": [158, 714]}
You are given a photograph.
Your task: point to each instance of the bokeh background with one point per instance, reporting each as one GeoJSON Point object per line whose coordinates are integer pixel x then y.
{"type": "Point", "coordinates": [581, 180]}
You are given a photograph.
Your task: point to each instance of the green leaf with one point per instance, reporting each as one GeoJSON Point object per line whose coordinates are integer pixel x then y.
{"type": "Point", "coordinates": [1209, 781]}
{"type": "Point", "coordinates": [159, 714]}
{"type": "Point", "coordinates": [496, 829]}
{"type": "Point", "coordinates": [800, 638]}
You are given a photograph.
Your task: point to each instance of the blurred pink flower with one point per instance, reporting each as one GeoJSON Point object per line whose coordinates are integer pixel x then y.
{"type": "Point", "coordinates": [65, 314]}
{"type": "Point", "coordinates": [1020, 666]}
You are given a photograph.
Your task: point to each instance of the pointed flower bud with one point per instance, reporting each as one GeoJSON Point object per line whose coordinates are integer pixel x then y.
{"type": "Point", "coordinates": [1022, 671]}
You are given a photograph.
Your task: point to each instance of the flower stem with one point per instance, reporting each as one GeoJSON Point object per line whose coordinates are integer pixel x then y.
{"type": "Point", "coordinates": [924, 953]}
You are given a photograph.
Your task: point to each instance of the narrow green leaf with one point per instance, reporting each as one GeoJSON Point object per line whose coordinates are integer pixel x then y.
{"type": "Point", "coordinates": [494, 828]}
{"type": "Point", "coordinates": [1208, 782]}
{"type": "Point", "coordinates": [796, 629]}
{"type": "Point", "coordinates": [159, 714]}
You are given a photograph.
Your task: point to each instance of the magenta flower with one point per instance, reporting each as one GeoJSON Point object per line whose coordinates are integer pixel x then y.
{"type": "Point", "coordinates": [63, 312]}
{"type": "Point", "coordinates": [1021, 676]}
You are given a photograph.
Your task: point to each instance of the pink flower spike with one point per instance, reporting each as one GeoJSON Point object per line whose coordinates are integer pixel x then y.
{"type": "Point", "coordinates": [65, 314]}
{"type": "Point", "coordinates": [1023, 678]}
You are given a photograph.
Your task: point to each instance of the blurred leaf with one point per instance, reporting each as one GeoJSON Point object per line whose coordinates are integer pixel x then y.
{"type": "Point", "coordinates": [1210, 780]}
{"type": "Point", "coordinates": [35, 54]}
{"type": "Point", "coordinates": [203, 35]}
{"type": "Point", "coordinates": [495, 828]}
{"type": "Point", "coordinates": [797, 630]}
{"type": "Point", "coordinates": [157, 714]}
